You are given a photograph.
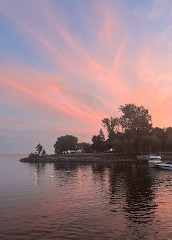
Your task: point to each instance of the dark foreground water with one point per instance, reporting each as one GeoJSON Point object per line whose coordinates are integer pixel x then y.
{"type": "Point", "coordinates": [84, 201]}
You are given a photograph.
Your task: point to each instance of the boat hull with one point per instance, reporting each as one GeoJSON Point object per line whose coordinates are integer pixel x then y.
{"type": "Point", "coordinates": [167, 166]}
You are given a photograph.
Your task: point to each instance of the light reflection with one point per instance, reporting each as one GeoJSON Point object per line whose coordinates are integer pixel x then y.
{"type": "Point", "coordinates": [80, 175]}
{"type": "Point", "coordinates": [36, 177]}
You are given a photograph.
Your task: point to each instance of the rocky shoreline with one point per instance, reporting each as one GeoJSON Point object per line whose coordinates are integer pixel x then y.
{"type": "Point", "coordinates": [78, 158]}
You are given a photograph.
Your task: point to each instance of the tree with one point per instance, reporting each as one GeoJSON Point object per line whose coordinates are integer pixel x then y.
{"type": "Point", "coordinates": [99, 144]}
{"type": "Point", "coordinates": [111, 125]}
{"type": "Point", "coordinates": [135, 121]}
{"type": "Point", "coordinates": [119, 145]}
{"type": "Point", "coordinates": [150, 144]}
{"type": "Point", "coordinates": [44, 152]}
{"type": "Point", "coordinates": [38, 148]}
{"type": "Point", "coordinates": [161, 134]}
{"type": "Point", "coordinates": [123, 146]}
{"type": "Point", "coordinates": [169, 142]}
{"type": "Point", "coordinates": [101, 134]}
{"type": "Point", "coordinates": [169, 130]}
{"type": "Point", "coordinates": [65, 143]}
{"type": "Point", "coordinates": [145, 144]}
{"type": "Point", "coordinates": [155, 144]}
{"type": "Point", "coordinates": [86, 147]}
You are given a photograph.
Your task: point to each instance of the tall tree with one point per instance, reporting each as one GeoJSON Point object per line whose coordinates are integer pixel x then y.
{"type": "Point", "coordinates": [111, 125]}
{"type": "Point", "coordinates": [136, 121]}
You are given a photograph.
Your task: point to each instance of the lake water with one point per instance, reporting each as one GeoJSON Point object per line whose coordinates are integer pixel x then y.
{"type": "Point", "coordinates": [83, 201]}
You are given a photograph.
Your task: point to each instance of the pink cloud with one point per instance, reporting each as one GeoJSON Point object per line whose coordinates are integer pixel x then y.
{"type": "Point", "coordinates": [84, 76]}
{"type": "Point", "coordinates": [82, 64]}
{"type": "Point", "coordinates": [35, 92]}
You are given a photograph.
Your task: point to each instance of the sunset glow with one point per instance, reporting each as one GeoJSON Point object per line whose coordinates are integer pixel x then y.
{"type": "Point", "coordinates": [65, 65]}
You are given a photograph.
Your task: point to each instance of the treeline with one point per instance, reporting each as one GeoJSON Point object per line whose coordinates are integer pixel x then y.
{"type": "Point", "coordinates": [131, 133]}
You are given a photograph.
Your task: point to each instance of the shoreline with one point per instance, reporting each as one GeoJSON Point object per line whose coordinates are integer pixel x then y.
{"type": "Point", "coordinates": [81, 158]}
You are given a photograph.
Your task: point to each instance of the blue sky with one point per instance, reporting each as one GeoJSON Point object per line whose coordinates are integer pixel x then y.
{"type": "Point", "coordinates": [66, 65]}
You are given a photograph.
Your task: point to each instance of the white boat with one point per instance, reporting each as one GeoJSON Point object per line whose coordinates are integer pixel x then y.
{"type": "Point", "coordinates": [154, 160]}
{"type": "Point", "coordinates": [148, 157]}
{"type": "Point", "coordinates": [167, 165]}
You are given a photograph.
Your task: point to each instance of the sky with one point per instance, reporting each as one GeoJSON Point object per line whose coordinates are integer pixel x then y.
{"type": "Point", "coordinates": [67, 64]}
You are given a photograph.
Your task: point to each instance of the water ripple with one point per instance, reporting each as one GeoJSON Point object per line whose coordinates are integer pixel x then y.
{"type": "Point", "coordinates": [85, 201]}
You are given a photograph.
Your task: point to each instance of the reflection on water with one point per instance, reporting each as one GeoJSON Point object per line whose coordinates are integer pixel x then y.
{"type": "Point", "coordinates": [84, 201]}
{"type": "Point", "coordinates": [36, 177]}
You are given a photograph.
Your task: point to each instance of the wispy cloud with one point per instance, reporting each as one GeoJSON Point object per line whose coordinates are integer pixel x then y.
{"type": "Point", "coordinates": [85, 85]}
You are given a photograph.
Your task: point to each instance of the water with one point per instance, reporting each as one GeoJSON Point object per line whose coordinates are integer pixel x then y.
{"type": "Point", "coordinates": [83, 201]}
